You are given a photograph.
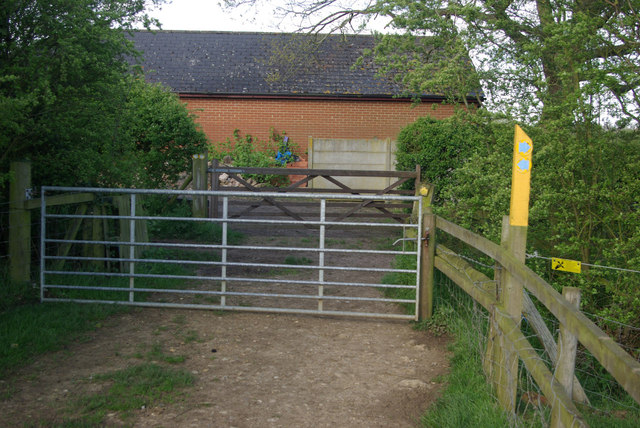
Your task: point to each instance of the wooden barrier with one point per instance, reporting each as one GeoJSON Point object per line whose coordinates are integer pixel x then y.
{"type": "Point", "coordinates": [505, 329]}
{"type": "Point", "coordinates": [307, 175]}
{"type": "Point", "coordinates": [20, 206]}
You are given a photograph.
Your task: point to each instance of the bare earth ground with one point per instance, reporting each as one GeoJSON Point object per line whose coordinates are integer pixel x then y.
{"type": "Point", "coordinates": [268, 370]}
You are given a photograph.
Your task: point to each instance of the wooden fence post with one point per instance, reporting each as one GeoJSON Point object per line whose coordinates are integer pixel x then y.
{"type": "Point", "coordinates": [19, 223]}
{"type": "Point", "coordinates": [199, 208]}
{"type": "Point", "coordinates": [514, 239]}
{"type": "Point", "coordinates": [427, 255]}
{"type": "Point", "coordinates": [215, 185]}
{"type": "Point", "coordinates": [567, 348]}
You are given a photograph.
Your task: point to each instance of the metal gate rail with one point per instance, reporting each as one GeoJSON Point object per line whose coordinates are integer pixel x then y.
{"type": "Point", "coordinates": [73, 277]}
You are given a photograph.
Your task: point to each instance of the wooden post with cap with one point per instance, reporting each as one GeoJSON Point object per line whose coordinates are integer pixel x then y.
{"type": "Point", "coordinates": [427, 255]}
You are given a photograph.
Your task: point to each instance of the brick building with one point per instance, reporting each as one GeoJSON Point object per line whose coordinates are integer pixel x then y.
{"type": "Point", "coordinates": [257, 81]}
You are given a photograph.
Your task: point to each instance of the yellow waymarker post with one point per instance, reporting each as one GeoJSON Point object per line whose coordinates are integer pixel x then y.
{"type": "Point", "coordinates": [520, 179]}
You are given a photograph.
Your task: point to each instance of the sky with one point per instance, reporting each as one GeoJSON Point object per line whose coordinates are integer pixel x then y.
{"type": "Point", "coordinates": [208, 15]}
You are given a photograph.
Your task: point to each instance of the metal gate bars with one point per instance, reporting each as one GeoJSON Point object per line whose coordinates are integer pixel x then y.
{"type": "Point", "coordinates": [114, 252]}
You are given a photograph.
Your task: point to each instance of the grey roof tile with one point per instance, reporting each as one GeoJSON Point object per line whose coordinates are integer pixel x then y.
{"type": "Point", "coordinates": [224, 63]}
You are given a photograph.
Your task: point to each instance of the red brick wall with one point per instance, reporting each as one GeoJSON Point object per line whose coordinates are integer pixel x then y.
{"type": "Point", "coordinates": [301, 118]}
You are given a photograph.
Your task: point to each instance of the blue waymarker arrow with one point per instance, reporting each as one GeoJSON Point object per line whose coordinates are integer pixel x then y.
{"type": "Point", "coordinates": [524, 147]}
{"type": "Point", "coordinates": [524, 165]}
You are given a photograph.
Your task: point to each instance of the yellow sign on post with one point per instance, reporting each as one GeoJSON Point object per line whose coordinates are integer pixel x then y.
{"type": "Point", "coordinates": [520, 179]}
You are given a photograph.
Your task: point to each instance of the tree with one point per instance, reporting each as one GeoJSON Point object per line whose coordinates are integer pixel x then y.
{"type": "Point", "coordinates": [62, 83]}
{"type": "Point", "coordinates": [539, 59]}
{"type": "Point", "coordinates": [158, 136]}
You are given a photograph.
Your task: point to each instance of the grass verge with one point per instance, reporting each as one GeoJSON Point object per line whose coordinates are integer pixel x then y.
{"type": "Point", "coordinates": [34, 329]}
{"type": "Point", "coordinates": [133, 388]}
{"type": "Point", "coordinates": [28, 329]}
{"type": "Point", "coordinates": [467, 400]}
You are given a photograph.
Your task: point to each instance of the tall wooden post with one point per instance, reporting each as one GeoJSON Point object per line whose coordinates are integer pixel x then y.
{"type": "Point", "coordinates": [215, 185]}
{"type": "Point", "coordinates": [199, 208]}
{"type": "Point", "coordinates": [19, 223]}
{"type": "Point", "coordinates": [427, 254]}
{"type": "Point", "coordinates": [514, 240]}
{"type": "Point", "coordinates": [567, 349]}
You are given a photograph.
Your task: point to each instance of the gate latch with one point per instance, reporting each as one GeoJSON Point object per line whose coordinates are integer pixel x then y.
{"type": "Point", "coordinates": [403, 239]}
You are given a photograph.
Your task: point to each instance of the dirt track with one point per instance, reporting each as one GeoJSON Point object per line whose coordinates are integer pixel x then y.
{"type": "Point", "coordinates": [268, 370]}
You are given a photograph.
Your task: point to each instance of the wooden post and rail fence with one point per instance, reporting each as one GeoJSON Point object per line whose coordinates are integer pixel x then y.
{"type": "Point", "coordinates": [21, 205]}
{"type": "Point", "coordinates": [506, 301]}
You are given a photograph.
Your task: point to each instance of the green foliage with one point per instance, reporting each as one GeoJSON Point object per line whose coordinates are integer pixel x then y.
{"type": "Point", "coordinates": [14, 294]}
{"type": "Point", "coordinates": [467, 399]}
{"type": "Point", "coordinates": [569, 59]}
{"type": "Point", "coordinates": [69, 102]}
{"type": "Point", "coordinates": [584, 198]}
{"type": "Point", "coordinates": [160, 134]}
{"type": "Point", "coordinates": [584, 206]}
{"type": "Point", "coordinates": [248, 151]}
{"type": "Point", "coordinates": [438, 146]}
{"type": "Point", "coordinates": [199, 231]}
{"type": "Point", "coordinates": [30, 330]}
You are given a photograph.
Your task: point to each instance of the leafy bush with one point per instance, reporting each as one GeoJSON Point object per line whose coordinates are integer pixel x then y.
{"type": "Point", "coordinates": [161, 137]}
{"type": "Point", "coordinates": [438, 146]}
{"type": "Point", "coordinates": [248, 151]}
{"type": "Point", "coordinates": [584, 199]}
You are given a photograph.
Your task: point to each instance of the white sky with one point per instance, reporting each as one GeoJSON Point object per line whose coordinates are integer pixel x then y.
{"type": "Point", "coordinates": [208, 15]}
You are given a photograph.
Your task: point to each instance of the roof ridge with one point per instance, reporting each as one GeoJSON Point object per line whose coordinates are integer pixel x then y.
{"type": "Point", "coordinates": [161, 31]}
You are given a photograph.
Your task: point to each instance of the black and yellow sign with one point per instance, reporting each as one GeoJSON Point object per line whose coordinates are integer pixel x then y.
{"type": "Point", "coordinates": [566, 265]}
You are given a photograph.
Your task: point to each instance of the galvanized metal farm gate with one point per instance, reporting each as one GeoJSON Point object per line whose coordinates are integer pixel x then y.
{"type": "Point", "coordinates": [308, 264]}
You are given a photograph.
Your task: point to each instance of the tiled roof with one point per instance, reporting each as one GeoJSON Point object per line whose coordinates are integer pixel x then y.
{"type": "Point", "coordinates": [265, 64]}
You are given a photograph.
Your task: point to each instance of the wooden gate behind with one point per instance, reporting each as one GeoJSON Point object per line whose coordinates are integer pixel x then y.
{"type": "Point", "coordinates": [369, 208]}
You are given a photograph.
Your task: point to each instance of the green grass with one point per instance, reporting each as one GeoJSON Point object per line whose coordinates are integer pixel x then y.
{"type": "Point", "coordinates": [296, 261]}
{"type": "Point", "coordinates": [467, 400]}
{"type": "Point", "coordinates": [400, 278]}
{"type": "Point", "coordinates": [175, 269]}
{"type": "Point", "coordinates": [130, 389]}
{"type": "Point", "coordinates": [34, 329]}
{"type": "Point", "coordinates": [157, 354]}
{"type": "Point", "coordinates": [28, 329]}
{"type": "Point", "coordinates": [612, 417]}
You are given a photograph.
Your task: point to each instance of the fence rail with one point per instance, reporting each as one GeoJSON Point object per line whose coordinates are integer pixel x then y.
{"type": "Point", "coordinates": [300, 178]}
{"type": "Point", "coordinates": [505, 333]}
